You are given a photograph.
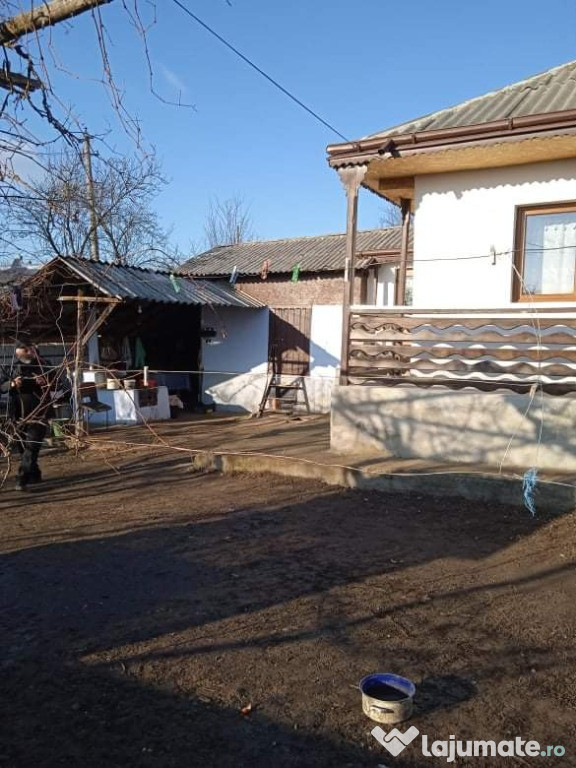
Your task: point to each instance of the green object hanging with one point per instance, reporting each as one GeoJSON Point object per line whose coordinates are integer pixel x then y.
{"type": "Point", "coordinates": [139, 353]}
{"type": "Point", "coordinates": [175, 283]}
{"type": "Point", "coordinates": [296, 274]}
{"type": "Point", "coordinates": [57, 430]}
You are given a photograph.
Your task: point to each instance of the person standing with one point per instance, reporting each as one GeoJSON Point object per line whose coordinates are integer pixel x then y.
{"type": "Point", "coordinates": [29, 408]}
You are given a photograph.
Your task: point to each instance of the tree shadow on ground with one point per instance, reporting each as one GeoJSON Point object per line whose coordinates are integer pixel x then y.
{"type": "Point", "coordinates": [67, 714]}
{"type": "Point", "coordinates": [65, 600]}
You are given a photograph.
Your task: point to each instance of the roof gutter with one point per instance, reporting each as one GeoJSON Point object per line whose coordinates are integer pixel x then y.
{"type": "Point", "coordinates": [339, 154]}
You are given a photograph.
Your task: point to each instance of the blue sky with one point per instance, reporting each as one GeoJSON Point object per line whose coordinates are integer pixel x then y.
{"type": "Point", "coordinates": [363, 66]}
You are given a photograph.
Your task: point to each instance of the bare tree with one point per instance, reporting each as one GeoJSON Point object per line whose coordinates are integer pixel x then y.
{"type": "Point", "coordinates": [228, 222]}
{"type": "Point", "coordinates": [33, 116]}
{"type": "Point", "coordinates": [28, 119]}
{"type": "Point", "coordinates": [390, 215]}
{"type": "Point", "coordinates": [53, 217]}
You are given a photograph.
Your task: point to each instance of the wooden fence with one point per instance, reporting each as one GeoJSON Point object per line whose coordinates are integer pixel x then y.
{"type": "Point", "coordinates": [485, 349]}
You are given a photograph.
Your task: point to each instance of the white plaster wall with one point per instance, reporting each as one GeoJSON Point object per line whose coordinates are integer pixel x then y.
{"type": "Point", "coordinates": [483, 428]}
{"type": "Point", "coordinates": [467, 213]}
{"type": "Point", "coordinates": [380, 292]}
{"type": "Point", "coordinates": [386, 286]}
{"type": "Point", "coordinates": [236, 367]}
{"type": "Point", "coordinates": [325, 351]}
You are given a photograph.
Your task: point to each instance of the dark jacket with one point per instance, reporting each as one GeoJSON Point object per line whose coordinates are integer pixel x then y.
{"type": "Point", "coordinates": [31, 397]}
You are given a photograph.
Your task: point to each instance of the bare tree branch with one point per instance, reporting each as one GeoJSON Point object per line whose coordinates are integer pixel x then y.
{"type": "Point", "coordinates": [55, 214]}
{"type": "Point", "coordinates": [45, 15]}
{"type": "Point", "coordinates": [390, 215]}
{"type": "Point", "coordinates": [228, 222]}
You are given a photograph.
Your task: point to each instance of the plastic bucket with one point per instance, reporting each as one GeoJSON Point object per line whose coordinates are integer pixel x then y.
{"type": "Point", "coordinates": [387, 698]}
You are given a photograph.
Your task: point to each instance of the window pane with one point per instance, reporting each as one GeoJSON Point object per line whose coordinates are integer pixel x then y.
{"type": "Point", "coordinates": [550, 253]}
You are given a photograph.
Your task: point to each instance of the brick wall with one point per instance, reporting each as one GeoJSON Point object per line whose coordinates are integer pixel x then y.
{"type": "Point", "coordinates": [280, 291]}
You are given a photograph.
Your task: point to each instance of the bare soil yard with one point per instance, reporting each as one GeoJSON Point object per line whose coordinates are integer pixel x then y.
{"type": "Point", "coordinates": [145, 606]}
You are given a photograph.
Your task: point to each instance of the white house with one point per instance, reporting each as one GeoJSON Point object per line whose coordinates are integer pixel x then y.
{"type": "Point", "coordinates": [482, 367]}
{"type": "Point", "coordinates": [297, 338]}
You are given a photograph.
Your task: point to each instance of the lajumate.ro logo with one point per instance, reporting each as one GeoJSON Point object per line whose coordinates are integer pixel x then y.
{"type": "Point", "coordinates": [396, 741]}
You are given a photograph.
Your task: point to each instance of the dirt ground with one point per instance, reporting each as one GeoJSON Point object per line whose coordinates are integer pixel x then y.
{"type": "Point", "coordinates": [144, 606]}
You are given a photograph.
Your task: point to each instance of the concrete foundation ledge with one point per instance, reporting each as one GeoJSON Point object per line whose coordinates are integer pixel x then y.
{"type": "Point", "coordinates": [498, 429]}
{"type": "Point", "coordinates": [550, 497]}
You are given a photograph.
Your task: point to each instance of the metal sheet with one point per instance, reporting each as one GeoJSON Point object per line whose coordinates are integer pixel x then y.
{"type": "Point", "coordinates": [314, 254]}
{"type": "Point", "coordinates": [160, 287]}
{"type": "Point", "coordinates": [551, 91]}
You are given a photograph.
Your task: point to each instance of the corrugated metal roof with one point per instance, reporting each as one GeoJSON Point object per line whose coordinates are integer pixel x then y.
{"type": "Point", "coordinates": [551, 91]}
{"type": "Point", "coordinates": [325, 253]}
{"type": "Point", "coordinates": [151, 285]}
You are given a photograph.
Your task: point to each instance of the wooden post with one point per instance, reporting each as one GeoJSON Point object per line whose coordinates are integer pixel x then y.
{"type": "Point", "coordinates": [94, 246]}
{"type": "Point", "coordinates": [77, 367]}
{"type": "Point", "coordinates": [401, 284]}
{"type": "Point", "coordinates": [351, 178]}
{"type": "Point", "coordinates": [83, 334]}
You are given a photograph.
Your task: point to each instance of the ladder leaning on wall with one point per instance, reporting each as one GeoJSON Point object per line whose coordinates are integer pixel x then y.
{"type": "Point", "coordinates": [281, 391]}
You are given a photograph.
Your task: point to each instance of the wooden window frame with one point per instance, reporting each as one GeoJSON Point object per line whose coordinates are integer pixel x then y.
{"type": "Point", "coordinates": [522, 212]}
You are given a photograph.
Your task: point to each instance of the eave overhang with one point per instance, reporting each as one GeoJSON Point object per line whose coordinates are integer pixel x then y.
{"type": "Point", "coordinates": [392, 162]}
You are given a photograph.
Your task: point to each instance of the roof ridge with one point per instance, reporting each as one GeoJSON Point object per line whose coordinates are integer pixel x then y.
{"type": "Point", "coordinates": [473, 100]}
{"type": "Point", "coordinates": [293, 239]}
{"type": "Point", "coordinates": [83, 260]}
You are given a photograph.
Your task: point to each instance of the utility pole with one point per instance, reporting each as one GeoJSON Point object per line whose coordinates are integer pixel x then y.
{"type": "Point", "coordinates": [94, 247]}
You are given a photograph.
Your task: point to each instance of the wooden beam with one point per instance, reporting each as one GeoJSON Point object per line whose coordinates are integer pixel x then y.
{"type": "Point", "coordinates": [45, 15]}
{"type": "Point", "coordinates": [351, 179]}
{"type": "Point", "coordinates": [78, 358]}
{"type": "Point", "coordinates": [400, 182]}
{"type": "Point", "coordinates": [98, 323]}
{"type": "Point", "coordinates": [91, 299]}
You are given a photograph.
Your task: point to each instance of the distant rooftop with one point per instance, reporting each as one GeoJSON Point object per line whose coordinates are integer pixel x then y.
{"type": "Point", "coordinates": [324, 253]}
{"type": "Point", "coordinates": [14, 274]}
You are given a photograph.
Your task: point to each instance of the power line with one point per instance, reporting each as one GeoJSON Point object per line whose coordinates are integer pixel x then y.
{"type": "Point", "coordinates": [250, 63]}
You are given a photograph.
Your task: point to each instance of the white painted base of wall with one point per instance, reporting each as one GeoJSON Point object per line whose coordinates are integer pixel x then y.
{"type": "Point", "coordinates": [236, 392]}
{"type": "Point", "coordinates": [457, 426]}
{"type": "Point", "coordinates": [126, 409]}
{"type": "Point", "coordinates": [236, 368]}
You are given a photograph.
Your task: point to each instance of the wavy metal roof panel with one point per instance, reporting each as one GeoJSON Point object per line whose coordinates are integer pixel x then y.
{"type": "Point", "coordinates": [150, 285]}
{"type": "Point", "coordinates": [550, 91]}
{"type": "Point", "coordinates": [325, 253]}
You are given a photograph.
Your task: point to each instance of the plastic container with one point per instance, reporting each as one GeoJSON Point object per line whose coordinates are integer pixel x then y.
{"type": "Point", "coordinates": [387, 698]}
{"type": "Point", "coordinates": [100, 379]}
